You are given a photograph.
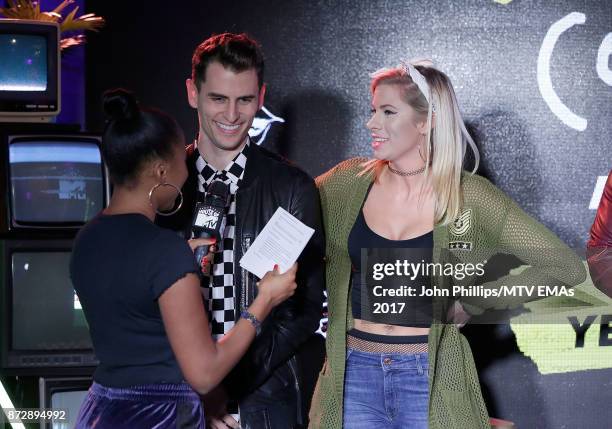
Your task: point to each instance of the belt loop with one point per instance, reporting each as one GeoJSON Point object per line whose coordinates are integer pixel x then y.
{"type": "Point", "coordinates": [348, 352]}
{"type": "Point", "coordinates": [417, 357]}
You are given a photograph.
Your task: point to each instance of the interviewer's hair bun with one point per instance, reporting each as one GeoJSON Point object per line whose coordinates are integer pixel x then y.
{"type": "Point", "coordinates": [120, 104]}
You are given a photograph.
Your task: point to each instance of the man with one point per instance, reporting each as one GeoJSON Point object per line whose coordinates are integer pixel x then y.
{"type": "Point", "coordinates": [227, 89]}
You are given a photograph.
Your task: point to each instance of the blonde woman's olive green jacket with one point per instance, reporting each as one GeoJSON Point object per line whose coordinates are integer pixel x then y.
{"type": "Point", "coordinates": [490, 222]}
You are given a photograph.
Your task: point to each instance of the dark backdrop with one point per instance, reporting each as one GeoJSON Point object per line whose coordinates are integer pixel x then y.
{"type": "Point", "coordinates": [318, 58]}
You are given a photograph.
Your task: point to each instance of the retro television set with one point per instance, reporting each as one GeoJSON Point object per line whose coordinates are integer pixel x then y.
{"type": "Point", "coordinates": [51, 182]}
{"type": "Point", "coordinates": [29, 71]}
{"type": "Point", "coordinates": [62, 393]}
{"type": "Point", "coordinates": [43, 325]}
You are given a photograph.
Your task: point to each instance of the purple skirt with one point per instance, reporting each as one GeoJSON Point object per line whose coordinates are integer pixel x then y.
{"type": "Point", "coordinates": [158, 406]}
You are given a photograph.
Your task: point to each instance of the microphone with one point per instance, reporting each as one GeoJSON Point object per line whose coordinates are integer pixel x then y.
{"type": "Point", "coordinates": [208, 216]}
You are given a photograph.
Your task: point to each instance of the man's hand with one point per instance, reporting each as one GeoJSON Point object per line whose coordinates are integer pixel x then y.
{"type": "Point", "coordinates": [224, 422]}
{"type": "Point", "coordinates": [215, 410]}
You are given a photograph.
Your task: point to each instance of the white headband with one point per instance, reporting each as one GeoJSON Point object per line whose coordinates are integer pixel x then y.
{"type": "Point", "coordinates": [418, 78]}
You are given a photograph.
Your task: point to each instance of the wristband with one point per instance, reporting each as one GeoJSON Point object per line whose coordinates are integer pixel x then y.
{"type": "Point", "coordinates": [254, 321]}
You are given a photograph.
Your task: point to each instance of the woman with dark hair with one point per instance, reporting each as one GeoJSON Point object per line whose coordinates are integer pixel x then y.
{"type": "Point", "coordinates": [413, 369]}
{"type": "Point", "coordinates": [139, 287]}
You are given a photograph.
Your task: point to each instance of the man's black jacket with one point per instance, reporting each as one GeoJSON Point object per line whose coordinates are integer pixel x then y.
{"type": "Point", "coordinates": [269, 182]}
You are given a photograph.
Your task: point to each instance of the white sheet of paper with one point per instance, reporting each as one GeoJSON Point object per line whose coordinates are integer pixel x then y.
{"type": "Point", "coordinates": [280, 242]}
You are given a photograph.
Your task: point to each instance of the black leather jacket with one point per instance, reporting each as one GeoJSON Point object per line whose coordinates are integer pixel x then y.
{"type": "Point", "coordinates": [268, 373]}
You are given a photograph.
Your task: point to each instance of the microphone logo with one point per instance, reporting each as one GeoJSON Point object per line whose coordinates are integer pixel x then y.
{"type": "Point", "coordinates": [207, 217]}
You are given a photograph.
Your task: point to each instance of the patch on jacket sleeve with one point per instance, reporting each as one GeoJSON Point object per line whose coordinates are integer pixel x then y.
{"type": "Point", "coordinates": [460, 245]}
{"type": "Point", "coordinates": [462, 224]}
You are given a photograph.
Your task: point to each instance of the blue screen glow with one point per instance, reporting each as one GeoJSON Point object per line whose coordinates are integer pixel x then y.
{"type": "Point", "coordinates": [24, 63]}
{"type": "Point", "coordinates": [54, 152]}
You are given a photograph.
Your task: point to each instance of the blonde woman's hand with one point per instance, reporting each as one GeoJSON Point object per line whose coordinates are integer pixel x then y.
{"type": "Point", "coordinates": [457, 315]}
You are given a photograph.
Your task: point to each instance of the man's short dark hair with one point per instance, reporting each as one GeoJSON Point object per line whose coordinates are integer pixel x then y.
{"type": "Point", "coordinates": [238, 52]}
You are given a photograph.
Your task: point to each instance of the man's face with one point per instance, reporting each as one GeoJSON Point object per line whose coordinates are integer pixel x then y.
{"type": "Point", "coordinates": [227, 103]}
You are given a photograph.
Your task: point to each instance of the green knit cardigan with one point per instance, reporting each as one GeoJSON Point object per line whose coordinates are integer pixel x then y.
{"type": "Point", "coordinates": [496, 224]}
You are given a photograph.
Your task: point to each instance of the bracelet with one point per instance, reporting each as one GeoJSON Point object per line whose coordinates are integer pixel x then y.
{"type": "Point", "coordinates": [254, 321]}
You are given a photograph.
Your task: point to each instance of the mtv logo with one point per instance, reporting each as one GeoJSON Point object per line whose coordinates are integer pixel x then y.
{"type": "Point", "coordinates": [207, 219]}
{"type": "Point", "coordinates": [72, 190]}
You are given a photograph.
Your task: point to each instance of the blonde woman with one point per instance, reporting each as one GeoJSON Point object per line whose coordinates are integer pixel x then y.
{"type": "Point", "coordinates": [414, 194]}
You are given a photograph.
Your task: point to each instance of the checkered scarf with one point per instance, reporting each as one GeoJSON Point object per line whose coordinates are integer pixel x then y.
{"type": "Point", "coordinates": [218, 289]}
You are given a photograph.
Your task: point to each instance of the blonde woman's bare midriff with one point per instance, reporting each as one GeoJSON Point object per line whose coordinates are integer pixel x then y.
{"type": "Point", "coordinates": [393, 330]}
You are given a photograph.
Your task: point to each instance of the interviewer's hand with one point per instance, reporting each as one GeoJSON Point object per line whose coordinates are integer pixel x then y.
{"type": "Point", "coordinates": [206, 262]}
{"type": "Point", "coordinates": [277, 287]}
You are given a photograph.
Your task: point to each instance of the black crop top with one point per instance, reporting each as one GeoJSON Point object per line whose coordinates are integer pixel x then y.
{"type": "Point", "coordinates": [417, 309]}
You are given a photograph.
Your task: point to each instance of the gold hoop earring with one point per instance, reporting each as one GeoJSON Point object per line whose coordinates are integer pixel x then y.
{"type": "Point", "coordinates": [154, 188]}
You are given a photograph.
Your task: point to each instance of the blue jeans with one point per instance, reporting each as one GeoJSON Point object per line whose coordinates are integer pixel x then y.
{"type": "Point", "coordinates": [385, 390]}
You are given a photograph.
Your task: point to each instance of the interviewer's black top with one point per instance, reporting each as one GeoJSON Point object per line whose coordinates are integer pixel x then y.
{"type": "Point", "coordinates": [120, 266]}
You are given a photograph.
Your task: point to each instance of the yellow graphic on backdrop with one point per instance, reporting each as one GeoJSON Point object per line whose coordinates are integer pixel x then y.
{"type": "Point", "coordinates": [546, 334]}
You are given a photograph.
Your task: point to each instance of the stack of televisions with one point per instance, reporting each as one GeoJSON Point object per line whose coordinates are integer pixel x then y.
{"type": "Point", "coordinates": [52, 181]}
